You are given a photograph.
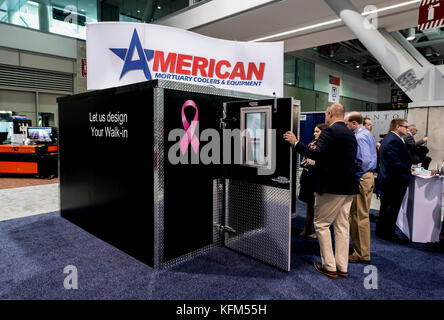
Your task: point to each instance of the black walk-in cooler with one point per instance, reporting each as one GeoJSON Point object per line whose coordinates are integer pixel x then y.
{"type": "Point", "coordinates": [166, 171]}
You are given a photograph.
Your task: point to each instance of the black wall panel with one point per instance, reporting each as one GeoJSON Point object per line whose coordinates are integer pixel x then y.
{"type": "Point", "coordinates": [189, 187]}
{"type": "Point", "coordinates": [106, 184]}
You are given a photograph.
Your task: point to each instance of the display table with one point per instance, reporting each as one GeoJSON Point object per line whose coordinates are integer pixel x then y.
{"type": "Point", "coordinates": [420, 214]}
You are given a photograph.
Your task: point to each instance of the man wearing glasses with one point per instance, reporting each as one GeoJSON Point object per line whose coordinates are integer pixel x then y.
{"type": "Point", "coordinates": [393, 179]}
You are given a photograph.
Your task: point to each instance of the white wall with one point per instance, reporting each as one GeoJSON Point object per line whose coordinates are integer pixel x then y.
{"type": "Point", "coordinates": [21, 102]}
{"type": "Point", "coordinates": [384, 93]}
{"type": "Point", "coordinates": [34, 49]}
{"type": "Point", "coordinates": [16, 57]}
{"type": "Point", "coordinates": [351, 86]}
{"type": "Point", "coordinates": [21, 38]}
{"type": "Point", "coordinates": [48, 104]}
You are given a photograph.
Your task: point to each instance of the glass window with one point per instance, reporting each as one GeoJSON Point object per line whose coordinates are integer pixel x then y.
{"type": "Point", "coordinates": [166, 7]}
{"type": "Point", "coordinates": [66, 17]}
{"type": "Point", "coordinates": [255, 126]}
{"type": "Point", "coordinates": [125, 18]}
{"type": "Point", "coordinates": [255, 138]}
{"type": "Point", "coordinates": [139, 10]}
{"type": "Point", "coordinates": [69, 17]}
{"type": "Point", "coordinates": [67, 21]}
{"type": "Point", "coordinates": [289, 70]}
{"type": "Point", "coordinates": [26, 15]}
{"type": "Point", "coordinates": [298, 72]}
{"type": "Point", "coordinates": [305, 74]}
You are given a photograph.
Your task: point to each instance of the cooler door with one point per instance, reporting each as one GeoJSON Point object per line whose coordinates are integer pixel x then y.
{"type": "Point", "coordinates": [258, 186]}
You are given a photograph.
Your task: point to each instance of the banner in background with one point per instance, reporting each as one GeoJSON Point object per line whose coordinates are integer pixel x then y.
{"type": "Point", "coordinates": [121, 53]}
{"type": "Point", "coordinates": [381, 120]}
{"type": "Point", "coordinates": [84, 73]}
{"type": "Point", "coordinates": [333, 92]}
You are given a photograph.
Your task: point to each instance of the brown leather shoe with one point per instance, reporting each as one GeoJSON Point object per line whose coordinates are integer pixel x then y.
{"type": "Point", "coordinates": [342, 274]}
{"type": "Point", "coordinates": [354, 259]}
{"type": "Point", "coordinates": [330, 274]}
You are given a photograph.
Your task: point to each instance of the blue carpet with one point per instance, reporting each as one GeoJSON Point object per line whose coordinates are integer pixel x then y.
{"type": "Point", "coordinates": [35, 250]}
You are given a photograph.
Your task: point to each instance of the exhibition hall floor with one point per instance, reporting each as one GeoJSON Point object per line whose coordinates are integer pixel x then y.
{"type": "Point", "coordinates": [34, 250]}
{"type": "Point", "coordinates": [20, 182]}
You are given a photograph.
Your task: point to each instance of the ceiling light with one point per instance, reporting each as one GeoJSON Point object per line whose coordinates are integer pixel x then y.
{"type": "Point", "coordinates": [297, 30]}
{"type": "Point", "coordinates": [412, 34]}
{"type": "Point", "coordinates": [138, 11]}
{"type": "Point", "coordinates": [368, 70]}
{"type": "Point", "coordinates": [32, 3]}
{"type": "Point", "coordinates": [358, 66]}
{"type": "Point", "coordinates": [345, 61]}
{"type": "Point", "coordinates": [315, 48]}
{"type": "Point", "coordinates": [83, 10]}
{"type": "Point", "coordinates": [159, 7]}
{"type": "Point", "coordinates": [332, 21]}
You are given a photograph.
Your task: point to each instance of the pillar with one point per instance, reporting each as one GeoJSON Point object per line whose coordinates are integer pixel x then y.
{"type": "Point", "coordinates": [429, 120]}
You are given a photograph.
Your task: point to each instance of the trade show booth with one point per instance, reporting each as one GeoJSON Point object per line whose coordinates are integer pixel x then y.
{"type": "Point", "coordinates": [166, 171]}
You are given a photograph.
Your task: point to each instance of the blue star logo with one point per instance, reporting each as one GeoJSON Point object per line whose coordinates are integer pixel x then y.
{"type": "Point", "coordinates": [145, 55]}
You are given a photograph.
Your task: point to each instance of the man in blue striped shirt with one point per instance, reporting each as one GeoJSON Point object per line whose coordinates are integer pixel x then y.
{"type": "Point", "coordinates": [366, 158]}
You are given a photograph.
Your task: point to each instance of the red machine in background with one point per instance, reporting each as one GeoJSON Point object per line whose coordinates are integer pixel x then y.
{"type": "Point", "coordinates": [39, 158]}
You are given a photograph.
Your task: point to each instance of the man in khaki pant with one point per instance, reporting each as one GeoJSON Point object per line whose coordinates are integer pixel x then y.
{"type": "Point", "coordinates": [335, 184]}
{"type": "Point", "coordinates": [360, 210]}
{"type": "Point", "coordinates": [333, 209]}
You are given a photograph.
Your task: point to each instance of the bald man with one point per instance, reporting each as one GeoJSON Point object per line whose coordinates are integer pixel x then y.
{"type": "Point", "coordinates": [335, 185]}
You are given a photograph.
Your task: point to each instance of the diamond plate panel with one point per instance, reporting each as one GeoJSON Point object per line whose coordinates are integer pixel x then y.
{"type": "Point", "coordinates": [173, 85]}
{"type": "Point", "coordinates": [218, 190]}
{"type": "Point", "coordinates": [260, 216]}
{"type": "Point", "coordinates": [218, 209]}
{"type": "Point", "coordinates": [158, 144]}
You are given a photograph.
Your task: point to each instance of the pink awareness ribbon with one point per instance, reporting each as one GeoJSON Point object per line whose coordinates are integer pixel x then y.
{"type": "Point", "coordinates": [189, 136]}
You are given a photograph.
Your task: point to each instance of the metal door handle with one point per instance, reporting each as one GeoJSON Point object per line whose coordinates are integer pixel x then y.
{"type": "Point", "coordinates": [223, 228]}
{"type": "Point", "coordinates": [281, 180]}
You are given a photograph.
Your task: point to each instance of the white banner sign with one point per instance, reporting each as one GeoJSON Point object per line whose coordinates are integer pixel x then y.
{"type": "Point", "coordinates": [333, 94]}
{"type": "Point", "coordinates": [381, 120]}
{"type": "Point", "coordinates": [120, 53]}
